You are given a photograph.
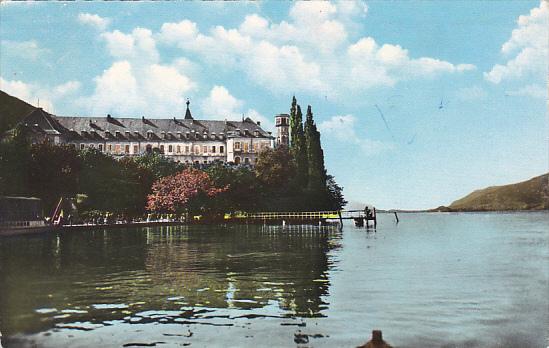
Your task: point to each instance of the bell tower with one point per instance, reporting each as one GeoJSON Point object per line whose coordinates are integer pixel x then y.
{"type": "Point", "coordinates": [282, 122]}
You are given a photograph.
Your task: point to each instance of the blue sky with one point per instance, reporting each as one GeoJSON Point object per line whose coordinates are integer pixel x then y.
{"type": "Point", "coordinates": [375, 73]}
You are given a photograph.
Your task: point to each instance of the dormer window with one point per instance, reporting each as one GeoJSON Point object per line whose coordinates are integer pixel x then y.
{"type": "Point", "coordinates": [179, 135]}
{"type": "Point", "coordinates": [187, 135]}
{"type": "Point", "coordinates": [256, 133]}
{"type": "Point", "coordinates": [116, 134]}
{"type": "Point", "coordinates": [163, 135]}
{"type": "Point", "coordinates": [149, 134]}
{"type": "Point", "coordinates": [128, 134]}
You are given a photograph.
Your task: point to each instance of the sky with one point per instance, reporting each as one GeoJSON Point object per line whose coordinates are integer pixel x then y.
{"type": "Point", "coordinates": [418, 102]}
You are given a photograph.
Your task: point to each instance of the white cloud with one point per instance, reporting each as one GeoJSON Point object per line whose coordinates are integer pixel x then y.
{"type": "Point", "coordinates": [138, 45]}
{"type": "Point", "coordinates": [127, 89]}
{"type": "Point", "coordinates": [343, 129]}
{"type": "Point", "coordinates": [220, 104]}
{"type": "Point", "coordinates": [32, 93]}
{"type": "Point", "coordinates": [533, 90]}
{"type": "Point", "coordinates": [23, 49]}
{"type": "Point", "coordinates": [528, 43]}
{"type": "Point", "coordinates": [94, 20]}
{"type": "Point", "coordinates": [306, 52]}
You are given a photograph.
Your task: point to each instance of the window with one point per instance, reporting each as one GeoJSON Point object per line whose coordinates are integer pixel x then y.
{"type": "Point", "coordinates": [221, 149]}
{"type": "Point", "coordinates": [205, 161]}
{"type": "Point", "coordinates": [245, 147]}
{"type": "Point", "coordinates": [277, 121]}
{"type": "Point", "coordinates": [237, 145]}
{"type": "Point", "coordinates": [82, 146]}
{"type": "Point", "coordinates": [186, 149]}
{"type": "Point", "coordinates": [92, 146]}
{"type": "Point", "coordinates": [196, 149]}
{"type": "Point", "coordinates": [204, 149]}
{"type": "Point", "coordinates": [109, 148]}
{"type": "Point", "coordinates": [136, 149]}
{"type": "Point", "coordinates": [148, 148]}
{"type": "Point", "coordinates": [246, 160]}
{"type": "Point", "coordinates": [213, 149]}
{"type": "Point", "coordinates": [149, 134]}
{"type": "Point", "coordinates": [127, 148]}
{"type": "Point", "coordinates": [256, 133]}
{"type": "Point", "coordinates": [100, 146]}
{"type": "Point", "coordinates": [256, 146]}
{"type": "Point", "coordinates": [178, 148]}
{"type": "Point", "coordinates": [170, 148]}
{"type": "Point", "coordinates": [161, 148]}
{"type": "Point", "coordinates": [237, 160]}
{"type": "Point", "coordinates": [117, 148]}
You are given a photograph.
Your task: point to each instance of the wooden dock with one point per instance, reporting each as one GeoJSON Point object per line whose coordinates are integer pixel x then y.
{"type": "Point", "coordinates": [360, 217]}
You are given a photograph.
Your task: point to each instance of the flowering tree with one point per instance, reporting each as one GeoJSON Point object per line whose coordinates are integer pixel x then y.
{"type": "Point", "coordinates": [190, 190]}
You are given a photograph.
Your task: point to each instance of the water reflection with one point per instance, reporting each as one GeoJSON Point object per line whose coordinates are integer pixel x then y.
{"type": "Point", "coordinates": [202, 275]}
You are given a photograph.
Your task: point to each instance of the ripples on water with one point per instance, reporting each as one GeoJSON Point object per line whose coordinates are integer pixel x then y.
{"type": "Point", "coordinates": [475, 280]}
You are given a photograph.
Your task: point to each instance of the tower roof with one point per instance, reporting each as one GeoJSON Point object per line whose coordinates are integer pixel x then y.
{"type": "Point", "coordinates": [188, 115]}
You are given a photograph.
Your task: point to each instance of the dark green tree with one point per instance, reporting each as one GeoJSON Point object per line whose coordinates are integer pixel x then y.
{"type": "Point", "coordinates": [159, 165]}
{"type": "Point", "coordinates": [54, 172]}
{"type": "Point", "coordinates": [243, 191]}
{"type": "Point", "coordinates": [315, 155]}
{"type": "Point", "coordinates": [14, 164]}
{"type": "Point", "coordinates": [274, 170]}
{"type": "Point", "coordinates": [119, 187]}
{"type": "Point", "coordinates": [334, 197]}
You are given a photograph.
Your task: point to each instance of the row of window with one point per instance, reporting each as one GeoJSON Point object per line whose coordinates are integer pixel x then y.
{"type": "Point", "coordinates": [237, 146]}
{"type": "Point", "coordinates": [197, 149]}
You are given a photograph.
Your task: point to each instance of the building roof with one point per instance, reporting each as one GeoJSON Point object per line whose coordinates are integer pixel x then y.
{"type": "Point", "coordinates": [110, 128]}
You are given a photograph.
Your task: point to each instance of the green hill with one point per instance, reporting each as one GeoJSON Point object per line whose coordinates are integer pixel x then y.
{"type": "Point", "coordinates": [532, 194]}
{"type": "Point", "coordinates": [12, 110]}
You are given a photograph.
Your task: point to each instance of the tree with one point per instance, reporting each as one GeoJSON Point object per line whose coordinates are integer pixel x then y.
{"type": "Point", "coordinates": [54, 171]}
{"type": "Point", "coordinates": [14, 164]}
{"type": "Point", "coordinates": [118, 186]}
{"type": "Point", "coordinates": [275, 167]}
{"type": "Point", "coordinates": [335, 199]}
{"type": "Point", "coordinates": [298, 147]}
{"type": "Point", "coordinates": [315, 155]}
{"type": "Point", "coordinates": [188, 191]}
{"type": "Point", "coordinates": [243, 192]}
{"type": "Point", "coordinates": [159, 165]}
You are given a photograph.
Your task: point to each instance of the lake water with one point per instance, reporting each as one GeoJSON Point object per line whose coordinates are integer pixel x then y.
{"type": "Point", "coordinates": [433, 280]}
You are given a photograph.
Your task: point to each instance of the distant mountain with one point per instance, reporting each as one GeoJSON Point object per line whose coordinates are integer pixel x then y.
{"type": "Point", "coordinates": [12, 110]}
{"type": "Point", "coordinates": [532, 194]}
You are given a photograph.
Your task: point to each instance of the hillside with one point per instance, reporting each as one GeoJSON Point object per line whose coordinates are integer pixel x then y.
{"type": "Point", "coordinates": [11, 111]}
{"type": "Point", "coordinates": [532, 194]}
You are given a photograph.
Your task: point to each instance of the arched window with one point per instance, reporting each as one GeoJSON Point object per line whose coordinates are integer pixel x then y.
{"type": "Point", "coordinates": [246, 160]}
{"type": "Point", "coordinates": [149, 148]}
{"type": "Point", "coordinates": [237, 160]}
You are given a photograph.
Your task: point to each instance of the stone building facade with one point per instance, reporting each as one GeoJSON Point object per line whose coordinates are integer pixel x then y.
{"type": "Point", "coordinates": [185, 140]}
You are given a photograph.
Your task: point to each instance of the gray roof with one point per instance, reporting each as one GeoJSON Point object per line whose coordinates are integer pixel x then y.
{"type": "Point", "coordinates": [110, 128]}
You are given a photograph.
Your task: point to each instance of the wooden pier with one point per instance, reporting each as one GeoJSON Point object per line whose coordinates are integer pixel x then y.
{"type": "Point", "coordinates": [360, 217]}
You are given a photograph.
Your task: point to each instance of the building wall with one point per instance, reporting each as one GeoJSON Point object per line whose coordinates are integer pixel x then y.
{"type": "Point", "coordinates": [243, 149]}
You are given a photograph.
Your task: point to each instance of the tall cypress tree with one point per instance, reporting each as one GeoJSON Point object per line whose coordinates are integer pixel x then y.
{"type": "Point", "coordinates": [300, 153]}
{"type": "Point", "coordinates": [315, 155]}
{"type": "Point", "coordinates": [294, 124]}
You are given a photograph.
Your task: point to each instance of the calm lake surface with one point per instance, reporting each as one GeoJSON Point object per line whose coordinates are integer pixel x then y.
{"type": "Point", "coordinates": [433, 280]}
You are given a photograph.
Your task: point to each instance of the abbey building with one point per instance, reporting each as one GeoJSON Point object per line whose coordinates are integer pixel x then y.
{"type": "Point", "coordinates": [185, 140]}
